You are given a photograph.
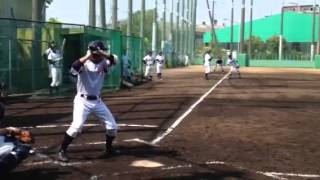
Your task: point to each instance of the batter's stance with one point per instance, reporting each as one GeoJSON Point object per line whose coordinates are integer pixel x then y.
{"type": "Point", "coordinates": [91, 70]}
{"type": "Point", "coordinates": [54, 57]}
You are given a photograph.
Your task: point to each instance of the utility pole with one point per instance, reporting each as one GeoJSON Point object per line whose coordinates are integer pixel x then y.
{"type": "Point", "coordinates": [103, 13]}
{"type": "Point", "coordinates": [143, 17]}
{"type": "Point", "coordinates": [242, 26]}
{"type": "Point", "coordinates": [194, 24]}
{"type": "Point", "coordinates": [114, 14]}
{"type": "Point", "coordinates": [318, 44]}
{"type": "Point", "coordinates": [36, 13]}
{"type": "Point", "coordinates": [182, 38]}
{"type": "Point", "coordinates": [163, 32]}
{"type": "Point", "coordinates": [231, 26]}
{"type": "Point", "coordinates": [187, 29]}
{"type": "Point", "coordinates": [281, 31]}
{"type": "Point", "coordinates": [190, 28]}
{"type": "Point", "coordinates": [250, 34]}
{"type": "Point", "coordinates": [171, 34]}
{"type": "Point", "coordinates": [92, 13]}
{"type": "Point", "coordinates": [154, 29]}
{"type": "Point", "coordinates": [129, 28]}
{"type": "Point", "coordinates": [313, 30]}
{"type": "Point", "coordinates": [177, 36]}
{"type": "Point", "coordinates": [129, 25]}
{"type": "Point", "coordinates": [36, 43]}
{"type": "Point", "coordinates": [214, 36]}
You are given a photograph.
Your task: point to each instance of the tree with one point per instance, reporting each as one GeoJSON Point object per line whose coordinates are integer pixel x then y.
{"type": "Point", "coordinates": [272, 45]}
{"type": "Point", "coordinates": [54, 20]}
{"type": "Point", "coordinates": [136, 25]}
{"type": "Point", "coordinates": [257, 45]}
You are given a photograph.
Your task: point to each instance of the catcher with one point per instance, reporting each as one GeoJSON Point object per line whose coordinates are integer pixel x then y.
{"type": "Point", "coordinates": [14, 146]}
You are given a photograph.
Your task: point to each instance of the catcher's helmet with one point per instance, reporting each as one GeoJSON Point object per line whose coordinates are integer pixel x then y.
{"type": "Point", "coordinates": [94, 46]}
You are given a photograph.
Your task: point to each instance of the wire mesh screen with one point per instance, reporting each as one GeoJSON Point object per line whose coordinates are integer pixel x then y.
{"type": "Point", "coordinates": [23, 43]}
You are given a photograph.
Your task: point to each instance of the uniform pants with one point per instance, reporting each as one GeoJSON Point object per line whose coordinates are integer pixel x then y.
{"type": "Point", "coordinates": [56, 75]}
{"type": "Point", "coordinates": [82, 108]}
{"type": "Point", "coordinates": [159, 68]}
{"type": "Point", "coordinates": [234, 69]}
{"type": "Point", "coordinates": [207, 69]}
{"type": "Point", "coordinates": [148, 70]}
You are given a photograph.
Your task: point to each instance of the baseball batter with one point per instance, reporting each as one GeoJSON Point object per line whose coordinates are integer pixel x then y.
{"type": "Point", "coordinates": [148, 61]}
{"type": "Point", "coordinates": [160, 61]}
{"type": "Point", "coordinates": [54, 57]}
{"type": "Point", "coordinates": [207, 64]}
{"type": "Point", "coordinates": [234, 66]}
{"type": "Point", "coordinates": [91, 70]}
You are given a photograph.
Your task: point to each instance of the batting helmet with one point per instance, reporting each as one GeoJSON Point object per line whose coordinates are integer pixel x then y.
{"type": "Point", "coordinates": [94, 46]}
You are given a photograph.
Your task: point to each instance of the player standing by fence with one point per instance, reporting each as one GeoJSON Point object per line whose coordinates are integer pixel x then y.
{"type": "Point", "coordinates": [148, 61]}
{"type": "Point", "coordinates": [54, 57]}
{"type": "Point", "coordinates": [160, 61]}
{"type": "Point", "coordinates": [207, 64]}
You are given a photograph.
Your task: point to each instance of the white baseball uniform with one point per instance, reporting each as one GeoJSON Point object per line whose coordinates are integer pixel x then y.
{"type": "Point", "coordinates": [160, 61]}
{"type": "Point", "coordinates": [234, 66]}
{"type": "Point", "coordinates": [54, 58]}
{"type": "Point", "coordinates": [88, 99]}
{"type": "Point", "coordinates": [149, 62]}
{"type": "Point", "coordinates": [207, 63]}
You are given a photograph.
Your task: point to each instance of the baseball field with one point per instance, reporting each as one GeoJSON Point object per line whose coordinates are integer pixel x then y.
{"type": "Point", "coordinates": [265, 125]}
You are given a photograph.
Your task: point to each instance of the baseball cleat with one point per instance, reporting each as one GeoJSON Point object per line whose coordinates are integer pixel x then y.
{"type": "Point", "coordinates": [62, 157]}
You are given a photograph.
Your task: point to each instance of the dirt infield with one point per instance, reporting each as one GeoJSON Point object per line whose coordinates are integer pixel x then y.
{"type": "Point", "coordinates": [263, 126]}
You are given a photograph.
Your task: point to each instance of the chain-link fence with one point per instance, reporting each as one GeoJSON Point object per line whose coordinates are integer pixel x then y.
{"type": "Point", "coordinates": [22, 44]}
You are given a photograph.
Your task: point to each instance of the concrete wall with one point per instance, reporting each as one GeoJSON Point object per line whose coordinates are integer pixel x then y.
{"type": "Point", "coordinates": [19, 9]}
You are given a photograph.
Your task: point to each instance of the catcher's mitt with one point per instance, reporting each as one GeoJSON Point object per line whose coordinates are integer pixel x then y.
{"type": "Point", "coordinates": [25, 136]}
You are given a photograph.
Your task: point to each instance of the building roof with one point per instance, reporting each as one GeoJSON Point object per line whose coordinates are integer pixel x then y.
{"type": "Point", "coordinates": [297, 28]}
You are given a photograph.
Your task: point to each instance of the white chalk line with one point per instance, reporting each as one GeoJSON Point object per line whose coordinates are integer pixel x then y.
{"type": "Point", "coordinates": [273, 175]}
{"type": "Point", "coordinates": [89, 125]}
{"type": "Point", "coordinates": [181, 118]}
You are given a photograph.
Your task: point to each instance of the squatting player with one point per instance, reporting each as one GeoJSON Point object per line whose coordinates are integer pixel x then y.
{"type": "Point", "coordinates": [91, 70]}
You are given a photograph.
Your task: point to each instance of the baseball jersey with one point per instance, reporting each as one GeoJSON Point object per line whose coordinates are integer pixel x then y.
{"type": "Point", "coordinates": [55, 57]}
{"type": "Point", "coordinates": [148, 59]}
{"type": "Point", "coordinates": [207, 59]}
{"type": "Point", "coordinates": [232, 62]}
{"type": "Point", "coordinates": [90, 77]}
{"type": "Point", "coordinates": [160, 59]}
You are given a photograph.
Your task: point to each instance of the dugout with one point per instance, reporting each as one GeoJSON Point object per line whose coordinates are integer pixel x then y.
{"type": "Point", "coordinates": [23, 42]}
{"type": "Point", "coordinates": [77, 40]}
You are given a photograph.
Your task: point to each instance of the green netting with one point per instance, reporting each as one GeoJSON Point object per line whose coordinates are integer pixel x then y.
{"type": "Point", "coordinates": [297, 28]}
{"type": "Point", "coordinates": [131, 45]}
{"type": "Point", "coordinates": [22, 44]}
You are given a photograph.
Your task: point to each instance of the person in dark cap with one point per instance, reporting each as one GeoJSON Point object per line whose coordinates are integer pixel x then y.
{"type": "Point", "coordinates": [91, 70]}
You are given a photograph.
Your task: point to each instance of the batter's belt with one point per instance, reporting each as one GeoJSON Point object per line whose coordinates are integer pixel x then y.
{"type": "Point", "coordinates": [89, 97]}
